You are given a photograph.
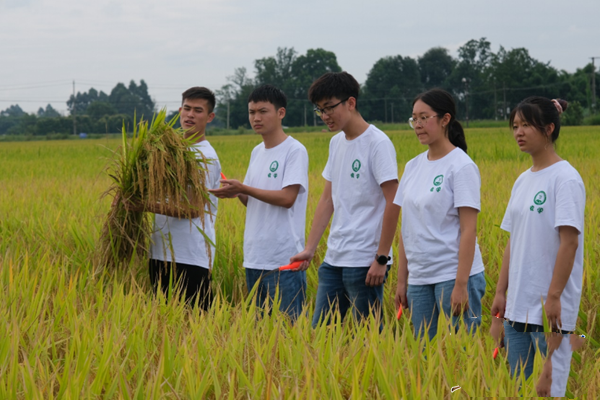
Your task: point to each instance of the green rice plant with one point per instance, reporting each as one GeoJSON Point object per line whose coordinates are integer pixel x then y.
{"type": "Point", "coordinates": [69, 332]}
{"type": "Point", "coordinates": [155, 169]}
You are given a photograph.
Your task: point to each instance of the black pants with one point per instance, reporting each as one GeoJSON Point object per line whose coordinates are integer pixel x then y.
{"type": "Point", "coordinates": [190, 281]}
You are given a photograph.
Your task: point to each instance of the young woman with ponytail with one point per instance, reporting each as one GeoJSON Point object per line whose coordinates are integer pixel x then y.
{"type": "Point", "coordinates": [440, 266]}
{"type": "Point", "coordinates": [542, 267]}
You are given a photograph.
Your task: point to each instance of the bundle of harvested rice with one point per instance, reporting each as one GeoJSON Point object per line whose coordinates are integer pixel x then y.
{"type": "Point", "coordinates": [155, 170]}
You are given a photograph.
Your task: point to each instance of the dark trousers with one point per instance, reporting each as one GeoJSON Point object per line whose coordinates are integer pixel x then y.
{"type": "Point", "coordinates": [187, 280]}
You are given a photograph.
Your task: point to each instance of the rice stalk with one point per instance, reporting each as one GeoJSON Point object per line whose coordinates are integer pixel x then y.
{"type": "Point", "coordinates": [155, 170]}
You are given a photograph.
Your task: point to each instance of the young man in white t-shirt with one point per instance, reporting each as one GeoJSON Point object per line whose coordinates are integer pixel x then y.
{"type": "Point", "coordinates": [361, 178]}
{"type": "Point", "coordinates": [275, 192]}
{"type": "Point", "coordinates": [179, 254]}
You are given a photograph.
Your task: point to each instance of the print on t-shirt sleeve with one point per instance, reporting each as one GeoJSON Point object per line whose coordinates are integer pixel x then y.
{"type": "Point", "coordinates": [383, 161]}
{"type": "Point", "coordinates": [467, 187]}
{"type": "Point", "coordinates": [570, 205]}
{"type": "Point", "coordinates": [296, 169]}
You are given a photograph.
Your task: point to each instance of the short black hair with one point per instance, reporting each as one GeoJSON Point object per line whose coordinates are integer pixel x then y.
{"type": "Point", "coordinates": [200, 92]}
{"type": "Point", "coordinates": [539, 112]}
{"type": "Point", "coordinates": [341, 85]}
{"type": "Point", "coordinates": [270, 94]}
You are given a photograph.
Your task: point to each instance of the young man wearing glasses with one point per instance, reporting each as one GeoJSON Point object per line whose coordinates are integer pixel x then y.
{"type": "Point", "coordinates": [275, 192]}
{"type": "Point", "coordinates": [361, 178]}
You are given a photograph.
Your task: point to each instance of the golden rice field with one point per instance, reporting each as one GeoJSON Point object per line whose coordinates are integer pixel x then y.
{"type": "Point", "coordinates": [69, 332]}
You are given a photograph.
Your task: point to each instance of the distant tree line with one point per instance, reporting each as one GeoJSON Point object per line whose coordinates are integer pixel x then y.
{"type": "Point", "coordinates": [94, 112]}
{"type": "Point", "coordinates": [486, 85]}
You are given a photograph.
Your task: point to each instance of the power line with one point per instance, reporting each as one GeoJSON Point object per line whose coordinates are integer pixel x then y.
{"type": "Point", "coordinates": [36, 84]}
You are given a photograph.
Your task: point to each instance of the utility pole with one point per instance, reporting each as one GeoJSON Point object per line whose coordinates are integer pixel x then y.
{"type": "Point", "coordinates": [504, 102]}
{"type": "Point", "coordinates": [73, 111]}
{"type": "Point", "coordinates": [466, 82]}
{"type": "Point", "coordinates": [495, 102]}
{"type": "Point", "coordinates": [227, 113]}
{"type": "Point", "coordinates": [385, 108]}
{"type": "Point", "coordinates": [594, 84]}
{"type": "Point", "coordinates": [305, 124]}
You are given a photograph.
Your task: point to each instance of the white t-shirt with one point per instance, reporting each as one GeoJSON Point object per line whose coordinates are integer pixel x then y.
{"type": "Point", "coordinates": [356, 169]}
{"type": "Point", "coordinates": [541, 202]}
{"type": "Point", "coordinates": [430, 193]}
{"type": "Point", "coordinates": [188, 243]}
{"type": "Point", "coordinates": [273, 234]}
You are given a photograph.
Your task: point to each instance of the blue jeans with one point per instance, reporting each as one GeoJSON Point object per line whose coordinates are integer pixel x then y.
{"type": "Point", "coordinates": [426, 301]}
{"type": "Point", "coordinates": [521, 348]}
{"type": "Point", "coordinates": [292, 289]}
{"type": "Point", "coordinates": [343, 287]}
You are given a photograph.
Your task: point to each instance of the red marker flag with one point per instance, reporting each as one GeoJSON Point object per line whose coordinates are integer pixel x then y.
{"type": "Point", "coordinates": [223, 176]}
{"type": "Point", "coordinates": [291, 267]}
{"type": "Point", "coordinates": [496, 349]}
{"type": "Point", "coordinates": [399, 312]}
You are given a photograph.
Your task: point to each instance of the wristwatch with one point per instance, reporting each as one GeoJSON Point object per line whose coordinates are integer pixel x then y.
{"type": "Point", "coordinates": [382, 260]}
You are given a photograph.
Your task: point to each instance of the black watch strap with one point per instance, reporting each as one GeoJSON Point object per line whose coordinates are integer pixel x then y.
{"type": "Point", "coordinates": [382, 260]}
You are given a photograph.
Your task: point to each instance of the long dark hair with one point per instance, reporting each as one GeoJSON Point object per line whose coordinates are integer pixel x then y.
{"type": "Point", "coordinates": [539, 112]}
{"type": "Point", "coordinates": [442, 103]}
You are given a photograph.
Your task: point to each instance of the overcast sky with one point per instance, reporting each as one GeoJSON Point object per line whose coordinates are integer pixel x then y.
{"type": "Point", "coordinates": [175, 44]}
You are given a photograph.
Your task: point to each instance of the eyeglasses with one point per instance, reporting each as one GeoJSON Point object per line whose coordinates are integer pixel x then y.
{"type": "Point", "coordinates": [329, 109]}
{"type": "Point", "coordinates": [413, 122]}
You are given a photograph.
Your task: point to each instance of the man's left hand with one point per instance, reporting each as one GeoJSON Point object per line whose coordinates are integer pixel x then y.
{"type": "Point", "coordinates": [376, 274]}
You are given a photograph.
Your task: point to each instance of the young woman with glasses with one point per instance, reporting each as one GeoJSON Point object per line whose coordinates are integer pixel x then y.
{"type": "Point", "coordinates": [440, 266]}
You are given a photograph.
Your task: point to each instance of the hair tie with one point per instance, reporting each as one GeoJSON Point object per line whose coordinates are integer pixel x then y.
{"type": "Point", "coordinates": [558, 106]}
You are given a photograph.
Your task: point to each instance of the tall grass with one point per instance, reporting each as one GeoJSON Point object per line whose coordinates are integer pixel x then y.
{"type": "Point", "coordinates": [68, 333]}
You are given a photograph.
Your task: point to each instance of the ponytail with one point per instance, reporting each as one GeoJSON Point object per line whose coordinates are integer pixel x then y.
{"type": "Point", "coordinates": [442, 103]}
{"type": "Point", "coordinates": [456, 134]}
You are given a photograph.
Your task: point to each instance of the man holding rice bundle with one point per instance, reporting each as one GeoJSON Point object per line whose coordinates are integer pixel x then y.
{"type": "Point", "coordinates": [179, 255]}
{"type": "Point", "coordinates": [275, 192]}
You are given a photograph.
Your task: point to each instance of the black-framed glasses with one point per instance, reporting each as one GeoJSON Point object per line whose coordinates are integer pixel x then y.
{"type": "Point", "coordinates": [413, 122]}
{"type": "Point", "coordinates": [329, 109]}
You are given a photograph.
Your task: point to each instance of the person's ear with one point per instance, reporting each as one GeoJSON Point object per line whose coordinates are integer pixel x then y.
{"type": "Point", "coordinates": [281, 112]}
{"type": "Point", "coordinates": [549, 129]}
{"type": "Point", "coordinates": [351, 103]}
{"type": "Point", "coordinates": [446, 119]}
{"type": "Point", "coordinates": [211, 116]}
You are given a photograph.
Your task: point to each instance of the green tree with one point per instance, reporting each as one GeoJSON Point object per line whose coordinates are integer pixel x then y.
{"type": "Point", "coordinates": [305, 70]}
{"type": "Point", "coordinates": [233, 99]}
{"type": "Point", "coordinates": [132, 100]}
{"type": "Point", "coordinates": [99, 109]}
{"type": "Point", "coordinates": [391, 85]}
{"type": "Point", "coordinates": [12, 111]}
{"type": "Point", "coordinates": [81, 101]}
{"type": "Point", "coordinates": [573, 115]}
{"type": "Point", "coordinates": [435, 67]}
{"type": "Point", "coordinates": [49, 112]}
{"type": "Point", "coordinates": [470, 80]}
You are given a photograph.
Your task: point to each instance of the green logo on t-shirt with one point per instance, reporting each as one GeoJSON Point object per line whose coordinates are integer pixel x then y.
{"type": "Point", "coordinates": [273, 167]}
{"type": "Point", "coordinates": [539, 199]}
{"type": "Point", "coordinates": [437, 183]}
{"type": "Point", "coordinates": [356, 167]}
